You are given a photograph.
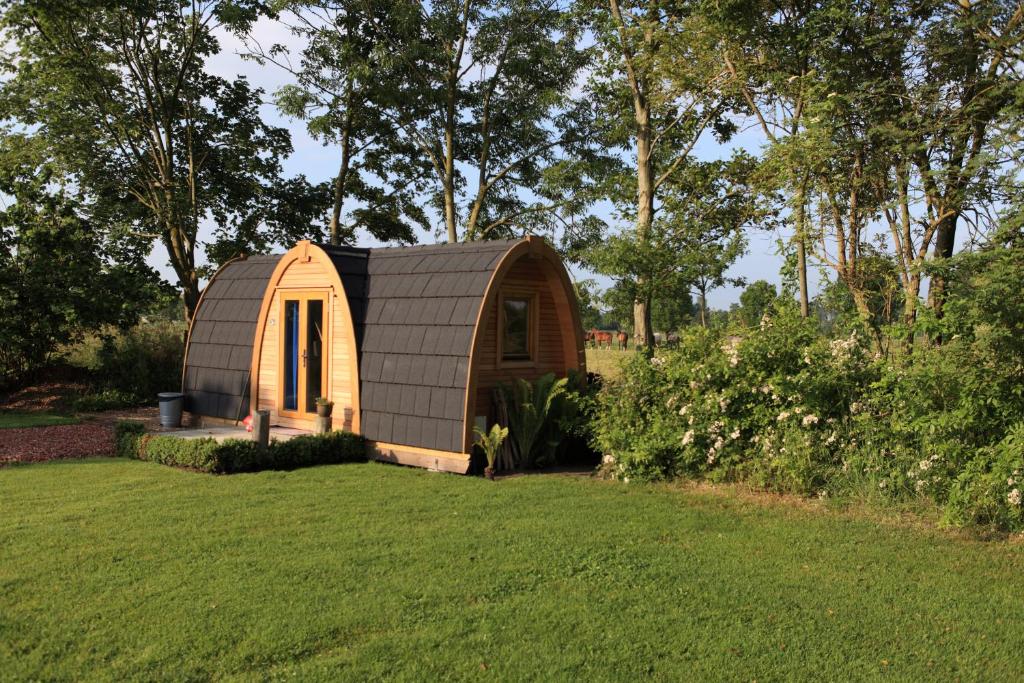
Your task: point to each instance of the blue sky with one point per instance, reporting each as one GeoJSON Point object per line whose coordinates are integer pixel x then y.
{"type": "Point", "coordinates": [319, 162]}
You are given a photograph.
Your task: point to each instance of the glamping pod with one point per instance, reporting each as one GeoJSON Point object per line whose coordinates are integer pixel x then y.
{"type": "Point", "coordinates": [408, 342]}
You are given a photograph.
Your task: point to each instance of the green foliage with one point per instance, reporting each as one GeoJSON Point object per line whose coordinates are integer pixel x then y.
{"type": "Point", "coordinates": [490, 442]}
{"type": "Point", "coordinates": [61, 275]}
{"type": "Point", "coordinates": [237, 455]}
{"type": "Point", "coordinates": [988, 491]}
{"type": "Point", "coordinates": [129, 115]}
{"type": "Point", "coordinates": [531, 411]}
{"type": "Point", "coordinates": [755, 301]}
{"type": "Point", "coordinates": [789, 409]}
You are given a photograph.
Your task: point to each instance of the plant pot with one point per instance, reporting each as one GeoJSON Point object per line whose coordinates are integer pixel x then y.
{"type": "Point", "coordinates": [489, 473]}
{"type": "Point", "coordinates": [324, 409]}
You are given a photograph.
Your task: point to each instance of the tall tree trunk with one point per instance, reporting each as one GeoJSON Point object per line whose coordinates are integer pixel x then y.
{"type": "Point", "coordinates": [945, 238]}
{"type": "Point", "coordinates": [702, 304]}
{"type": "Point", "coordinates": [642, 331]}
{"type": "Point", "coordinates": [341, 180]}
{"type": "Point", "coordinates": [801, 247]}
{"type": "Point", "coordinates": [448, 182]}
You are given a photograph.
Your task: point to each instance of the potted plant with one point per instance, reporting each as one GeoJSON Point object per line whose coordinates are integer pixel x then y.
{"type": "Point", "coordinates": [491, 442]}
{"type": "Point", "coordinates": [324, 407]}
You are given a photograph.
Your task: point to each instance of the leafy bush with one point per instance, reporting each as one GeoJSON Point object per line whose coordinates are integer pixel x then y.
{"type": "Point", "coordinates": [989, 490]}
{"type": "Point", "coordinates": [770, 407]}
{"type": "Point", "coordinates": [237, 455]}
{"type": "Point", "coordinates": [130, 367]}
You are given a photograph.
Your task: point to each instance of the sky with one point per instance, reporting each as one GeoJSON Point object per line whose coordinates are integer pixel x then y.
{"type": "Point", "coordinates": [318, 162]}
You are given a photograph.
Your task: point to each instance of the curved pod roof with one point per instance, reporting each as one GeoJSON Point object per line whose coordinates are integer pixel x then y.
{"type": "Point", "coordinates": [415, 315]}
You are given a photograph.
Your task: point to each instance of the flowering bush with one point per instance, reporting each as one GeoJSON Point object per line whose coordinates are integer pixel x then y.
{"type": "Point", "coordinates": [990, 490]}
{"type": "Point", "coordinates": [769, 407]}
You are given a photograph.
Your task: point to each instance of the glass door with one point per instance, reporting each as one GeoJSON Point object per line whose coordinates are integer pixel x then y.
{"type": "Point", "coordinates": [303, 365]}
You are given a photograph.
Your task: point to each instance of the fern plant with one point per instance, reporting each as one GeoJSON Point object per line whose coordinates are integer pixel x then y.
{"type": "Point", "coordinates": [531, 413]}
{"type": "Point", "coordinates": [490, 443]}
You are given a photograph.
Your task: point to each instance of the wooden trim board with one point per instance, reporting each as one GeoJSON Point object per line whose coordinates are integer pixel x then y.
{"type": "Point", "coordinates": [441, 461]}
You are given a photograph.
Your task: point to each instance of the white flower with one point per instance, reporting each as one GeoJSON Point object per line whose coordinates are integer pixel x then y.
{"type": "Point", "coordinates": [608, 459]}
{"type": "Point", "coordinates": [1013, 497]}
{"type": "Point", "coordinates": [919, 485]}
{"type": "Point", "coordinates": [809, 420]}
{"type": "Point", "coordinates": [688, 438]}
{"type": "Point", "coordinates": [735, 435]}
{"type": "Point", "coordinates": [855, 408]}
{"type": "Point", "coordinates": [657, 361]}
{"type": "Point", "coordinates": [723, 404]}
{"type": "Point", "coordinates": [1011, 481]}
{"type": "Point", "coordinates": [925, 465]}
{"type": "Point", "coordinates": [783, 415]}
{"type": "Point", "coordinates": [625, 480]}
{"type": "Point", "coordinates": [684, 409]}
{"type": "Point", "coordinates": [711, 457]}
{"type": "Point", "coordinates": [884, 483]}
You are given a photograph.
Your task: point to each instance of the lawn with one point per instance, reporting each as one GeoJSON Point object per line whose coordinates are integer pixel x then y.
{"type": "Point", "coordinates": [117, 569]}
{"type": "Point", "coordinates": [18, 419]}
{"type": "Point", "coordinates": [605, 361]}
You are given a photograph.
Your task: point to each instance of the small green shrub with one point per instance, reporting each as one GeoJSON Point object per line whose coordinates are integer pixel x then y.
{"type": "Point", "coordinates": [104, 399]}
{"type": "Point", "coordinates": [127, 438]}
{"type": "Point", "coordinates": [237, 455]}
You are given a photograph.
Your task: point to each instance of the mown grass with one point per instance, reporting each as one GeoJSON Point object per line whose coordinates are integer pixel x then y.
{"type": "Point", "coordinates": [115, 570]}
{"type": "Point", "coordinates": [606, 361]}
{"type": "Point", "coordinates": [18, 419]}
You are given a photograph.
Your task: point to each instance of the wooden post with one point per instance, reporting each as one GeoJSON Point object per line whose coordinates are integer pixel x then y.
{"type": "Point", "coordinates": [261, 428]}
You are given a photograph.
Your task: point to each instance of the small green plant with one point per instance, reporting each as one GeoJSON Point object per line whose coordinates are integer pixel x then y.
{"type": "Point", "coordinates": [324, 401]}
{"type": "Point", "coordinates": [490, 443]}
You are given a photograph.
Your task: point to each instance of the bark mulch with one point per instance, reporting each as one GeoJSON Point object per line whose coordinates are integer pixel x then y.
{"type": "Point", "coordinates": [39, 444]}
{"type": "Point", "coordinates": [94, 436]}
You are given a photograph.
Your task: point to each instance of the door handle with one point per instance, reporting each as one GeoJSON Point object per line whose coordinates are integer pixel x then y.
{"type": "Point", "coordinates": [305, 354]}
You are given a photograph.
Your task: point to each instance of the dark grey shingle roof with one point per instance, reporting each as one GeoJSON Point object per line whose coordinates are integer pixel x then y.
{"type": "Point", "coordinates": [415, 310]}
{"type": "Point", "coordinates": [216, 381]}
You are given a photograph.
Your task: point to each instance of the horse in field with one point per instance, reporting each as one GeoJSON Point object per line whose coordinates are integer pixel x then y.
{"type": "Point", "coordinates": [623, 340]}
{"type": "Point", "coordinates": [598, 337]}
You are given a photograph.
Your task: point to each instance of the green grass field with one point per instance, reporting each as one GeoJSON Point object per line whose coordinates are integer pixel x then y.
{"type": "Point", "coordinates": [15, 419]}
{"type": "Point", "coordinates": [605, 361]}
{"type": "Point", "coordinates": [114, 570]}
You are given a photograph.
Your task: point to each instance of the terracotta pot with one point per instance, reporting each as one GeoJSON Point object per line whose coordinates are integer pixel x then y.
{"type": "Point", "coordinates": [489, 473]}
{"type": "Point", "coordinates": [324, 409]}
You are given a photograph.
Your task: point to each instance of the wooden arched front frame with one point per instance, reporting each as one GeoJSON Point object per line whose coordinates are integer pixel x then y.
{"type": "Point", "coordinates": [306, 252]}
{"type": "Point", "coordinates": [566, 306]}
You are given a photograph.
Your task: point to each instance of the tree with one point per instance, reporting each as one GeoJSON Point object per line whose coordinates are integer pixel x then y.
{"type": "Point", "coordinates": [340, 90]}
{"type": "Point", "coordinates": [61, 274]}
{"type": "Point", "coordinates": [755, 301]}
{"type": "Point", "coordinates": [766, 49]}
{"type": "Point", "coordinates": [483, 93]}
{"type": "Point", "coordinates": [589, 297]}
{"type": "Point", "coordinates": [655, 92]}
{"type": "Point", "coordinates": [697, 236]}
{"type": "Point", "coordinates": [119, 98]}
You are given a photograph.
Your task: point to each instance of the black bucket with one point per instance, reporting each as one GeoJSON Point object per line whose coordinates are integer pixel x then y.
{"type": "Point", "coordinates": [171, 405]}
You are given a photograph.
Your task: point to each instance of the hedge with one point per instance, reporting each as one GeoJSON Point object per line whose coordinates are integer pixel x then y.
{"type": "Point", "coordinates": [237, 455]}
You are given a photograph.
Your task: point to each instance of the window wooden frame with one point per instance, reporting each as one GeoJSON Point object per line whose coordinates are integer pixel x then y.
{"type": "Point", "coordinates": [532, 328]}
{"type": "Point", "coordinates": [303, 296]}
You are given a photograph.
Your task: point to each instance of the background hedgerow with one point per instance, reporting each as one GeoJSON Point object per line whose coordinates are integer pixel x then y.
{"type": "Point", "coordinates": [237, 455]}
{"type": "Point", "coordinates": [787, 408]}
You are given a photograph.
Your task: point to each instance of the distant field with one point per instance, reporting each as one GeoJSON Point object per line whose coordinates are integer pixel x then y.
{"type": "Point", "coordinates": [605, 362]}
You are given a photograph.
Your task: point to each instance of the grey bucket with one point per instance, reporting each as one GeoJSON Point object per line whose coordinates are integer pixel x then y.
{"type": "Point", "coordinates": [171, 404]}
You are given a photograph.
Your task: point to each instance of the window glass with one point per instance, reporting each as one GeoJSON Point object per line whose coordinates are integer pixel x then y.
{"type": "Point", "coordinates": [516, 335]}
